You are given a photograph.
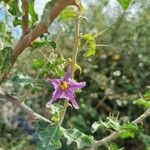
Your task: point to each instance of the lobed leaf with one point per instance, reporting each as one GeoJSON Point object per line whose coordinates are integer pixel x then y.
{"type": "Point", "coordinates": [74, 135]}
{"type": "Point", "coordinates": [91, 45]}
{"type": "Point", "coordinates": [48, 136]}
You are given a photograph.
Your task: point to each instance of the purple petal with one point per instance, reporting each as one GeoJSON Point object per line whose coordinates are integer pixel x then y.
{"type": "Point", "coordinates": [70, 96]}
{"type": "Point", "coordinates": [55, 82]}
{"type": "Point", "coordinates": [76, 85]}
{"type": "Point", "coordinates": [67, 74]}
{"type": "Point", "coordinates": [56, 95]}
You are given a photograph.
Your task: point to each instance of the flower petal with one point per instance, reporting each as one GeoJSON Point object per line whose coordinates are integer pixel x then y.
{"type": "Point", "coordinates": [67, 74]}
{"type": "Point", "coordinates": [76, 85]}
{"type": "Point", "coordinates": [56, 95]}
{"type": "Point", "coordinates": [70, 96]}
{"type": "Point", "coordinates": [55, 82]}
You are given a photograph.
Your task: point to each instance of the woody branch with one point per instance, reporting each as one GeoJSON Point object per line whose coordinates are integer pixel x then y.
{"type": "Point", "coordinates": [28, 37]}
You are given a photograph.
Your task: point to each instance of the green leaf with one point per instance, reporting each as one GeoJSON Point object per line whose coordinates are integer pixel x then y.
{"type": "Point", "coordinates": [67, 14]}
{"type": "Point", "coordinates": [17, 22]}
{"type": "Point", "coordinates": [147, 96]}
{"type": "Point", "coordinates": [2, 28]}
{"type": "Point", "coordinates": [34, 17]}
{"type": "Point", "coordinates": [38, 44]}
{"type": "Point", "coordinates": [14, 8]}
{"type": "Point", "coordinates": [22, 81]}
{"type": "Point", "coordinates": [111, 123]}
{"type": "Point", "coordinates": [55, 67]}
{"type": "Point", "coordinates": [142, 102]}
{"type": "Point", "coordinates": [81, 139]}
{"type": "Point", "coordinates": [5, 62]}
{"type": "Point", "coordinates": [124, 3]}
{"type": "Point", "coordinates": [128, 130]}
{"type": "Point", "coordinates": [53, 44]}
{"type": "Point", "coordinates": [146, 139]}
{"type": "Point", "coordinates": [56, 111]}
{"type": "Point", "coordinates": [37, 63]}
{"type": "Point", "coordinates": [91, 45]}
{"type": "Point", "coordinates": [6, 65]}
{"type": "Point", "coordinates": [48, 135]}
{"type": "Point", "coordinates": [112, 146]}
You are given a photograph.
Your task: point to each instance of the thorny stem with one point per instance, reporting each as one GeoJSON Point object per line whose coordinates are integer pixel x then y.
{"type": "Point", "coordinates": [115, 134]}
{"type": "Point", "coordinates": [76, 46]}
{"type": "Point", "coordinates": [73, 63]}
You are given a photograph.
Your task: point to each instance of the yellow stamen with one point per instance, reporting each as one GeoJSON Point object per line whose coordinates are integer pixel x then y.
{"type": "Point", "coordinates": [63, 85]}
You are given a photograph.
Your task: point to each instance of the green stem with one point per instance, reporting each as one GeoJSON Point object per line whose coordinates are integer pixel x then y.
{"type": "Point", "coordinates": [76, 46]}
{"type": "Point", "coordinates": [73, 64]}
{"type": "Point", "coordinates": [66, 104]}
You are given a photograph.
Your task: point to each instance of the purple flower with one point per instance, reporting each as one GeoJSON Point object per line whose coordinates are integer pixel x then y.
{"type": "Point", "coordinates": [65, 88]}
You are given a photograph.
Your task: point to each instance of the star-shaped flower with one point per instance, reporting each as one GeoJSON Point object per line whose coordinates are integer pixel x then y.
{"type": "Point", "coordinates": [65, 88]}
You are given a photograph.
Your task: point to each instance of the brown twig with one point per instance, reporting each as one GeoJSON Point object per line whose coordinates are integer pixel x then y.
{"type": "Point", "coordinates": [23, 107]}
{"type": "Point", "coordinates": [115, 134]}
{"type": "Point", "coordinates": [25, 25]}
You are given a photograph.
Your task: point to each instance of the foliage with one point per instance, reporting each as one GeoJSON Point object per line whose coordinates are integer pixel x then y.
{"type": "Point", "coordinates": [74, 135]}
{"type": "Point", "coordinates": [115, 72]}
{"type": "Point", "coordinates": [5, 63]}
{"type": "Point", "coordinates": [124, 3]}
{"type": "Point", "coordinates": [48, 135]}
{"type": "Point", "coordinates": [92, 45]}
{"type": "Point", "coordinates": [125, 130]}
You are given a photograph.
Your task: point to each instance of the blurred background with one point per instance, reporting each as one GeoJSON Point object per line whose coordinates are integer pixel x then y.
{"type": "Point", "coordinates": [116, 75]}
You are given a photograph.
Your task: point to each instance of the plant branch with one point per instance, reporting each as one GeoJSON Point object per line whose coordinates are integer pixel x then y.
{"type": "Point", "coordinates": [115, 134]}
{"type": "Point", "coordinates": [39, 29]}
{"type": "Point", "coordinates": [25, 25]}
{"type": "Point", "coordinates": [23, 107]}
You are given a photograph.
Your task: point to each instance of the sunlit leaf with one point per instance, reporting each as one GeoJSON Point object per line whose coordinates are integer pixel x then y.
{"type": "Point", "coordinates": [124, 3]}
{"type": "Point", "coordinates": [147, 96]}
{"type": "Point", "coordinates": [67, 14]}
{"type": "Point", "coordinates": [32, 13]}
{"type": "Point", "coordinates": [128, 130]}
{"type": "Point", "coordinates": [91, 50]}
{"type": "Point", "coordinates": [38, 44]}
{"type": "Point", "coordinates": [142, 102]}
{"type": "Point", "coordinates": [37, 63]}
